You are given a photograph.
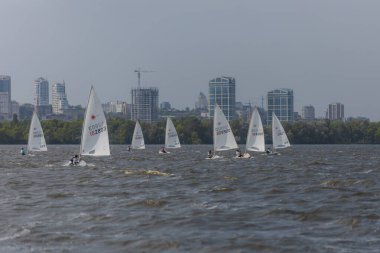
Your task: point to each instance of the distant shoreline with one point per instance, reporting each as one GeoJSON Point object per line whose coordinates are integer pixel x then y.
{"type": "Point", "coordinates": [193, 130]}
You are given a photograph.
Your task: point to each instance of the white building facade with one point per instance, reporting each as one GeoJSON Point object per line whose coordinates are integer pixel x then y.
{"type": "Point", "coordinates": [59, 98]}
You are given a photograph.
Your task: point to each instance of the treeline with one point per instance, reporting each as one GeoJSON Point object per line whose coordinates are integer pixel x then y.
{"type": "Point", "coordinates": [192, 130]}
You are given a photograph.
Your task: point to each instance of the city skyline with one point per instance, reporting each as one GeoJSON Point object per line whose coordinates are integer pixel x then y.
{"type": "Point", "coordinates": [59, 102]}
{"type": "Point", "coordinates": [325, 51]}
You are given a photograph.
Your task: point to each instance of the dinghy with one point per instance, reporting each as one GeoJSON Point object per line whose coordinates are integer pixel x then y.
{"type": "Point", "coordinates": [36, 139]}
{"type": "Point", "coordinates": [255, 137]}
{"type": "Point", "coordinates": [279, 137]}
{"type": "Point", "coordinates": [94, 141]}
{"type": "Point", "coordinates": [224, 138]}
{"type": "Point", "coordinates": [138, 138]}
{"type": "Point", "coordinates": [171, 137]}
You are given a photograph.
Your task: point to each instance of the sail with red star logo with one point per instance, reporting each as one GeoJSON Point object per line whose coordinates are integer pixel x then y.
{"type": "Point", "coordinates": [94, 140]}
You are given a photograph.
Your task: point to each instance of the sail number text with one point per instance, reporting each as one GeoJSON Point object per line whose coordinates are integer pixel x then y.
{"type": "Point", "coordinates": [97, 128]}
{"type": "Point", "coordinates": [222, 130]}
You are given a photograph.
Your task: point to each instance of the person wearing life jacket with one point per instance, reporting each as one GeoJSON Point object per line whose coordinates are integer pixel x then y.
{"type": "Point", "coordinates": [75, 160]}
{"type": "Point", "coordinates": [209, 154]}
{"type": "Point", "coordinates": [22, 151]}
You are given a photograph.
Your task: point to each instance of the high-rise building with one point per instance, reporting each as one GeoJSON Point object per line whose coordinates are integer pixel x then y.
{"type": "Point", "coordinates": [5, 98]}
{"type": "Point", "coordinates": [41, 97]}
{"type": "Point", "coordinates": [308, 112]}
{"type": "Point", "coordinates": [201, 104]}
{"type": "Point", "coordinates": [118, 107]}
{"type": "Point", "coordinates": [335, 111]}
{"type": "Point", "coordinates": [41, 92]}
{"type": "Point", "coordinates": [281, 102]}
{"type": "Point", "coordinates": [222, 92]}
{"type": "Point", "coordinates": [58, 98]}
{"type": "Point", "coordinates": [144, 104]}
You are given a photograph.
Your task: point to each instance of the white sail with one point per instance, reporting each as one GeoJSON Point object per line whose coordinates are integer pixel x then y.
{"type": "Point", "coordinates": [280, 140]}
{"type": "Point", "coordinates": [171, 136]}
{"type": "Point", "coordinates": [223, 137]}
{"type": "Point", "coordinates": [95, 132]}
{"type": "Point", "coordinates": [36, 139]}
{"type": "Point", "coordinates": [138, 138]}
{"type": "Point", "coordinates": [255, 137]}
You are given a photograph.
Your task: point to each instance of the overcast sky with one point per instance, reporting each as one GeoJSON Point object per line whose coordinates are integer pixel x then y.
{"type": "Point", "coordinates": [325, 50]}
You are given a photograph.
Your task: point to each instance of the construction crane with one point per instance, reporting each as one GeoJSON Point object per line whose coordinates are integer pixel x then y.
{"type": "Point", "coordinates": [139, 71]}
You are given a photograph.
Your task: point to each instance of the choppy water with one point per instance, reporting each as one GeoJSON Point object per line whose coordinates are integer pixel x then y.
{"type": "Point", "coordinates": [309, 199]}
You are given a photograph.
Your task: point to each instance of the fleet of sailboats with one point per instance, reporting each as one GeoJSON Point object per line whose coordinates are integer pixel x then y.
{"type": "Point", "coordinates": [36, 139]}
{"type": "Point", "coordinates": [94, 141]}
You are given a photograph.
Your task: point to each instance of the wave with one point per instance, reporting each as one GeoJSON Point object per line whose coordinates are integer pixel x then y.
{"type": "Point", "coordinates": [16, 234]}
{"type": "Point", "coordinates": [147, 172]}
{"type": "Point", "coordinates": [341, 184]}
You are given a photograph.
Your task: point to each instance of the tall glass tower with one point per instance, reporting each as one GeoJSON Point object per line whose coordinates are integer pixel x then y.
{"type": "Point", "coordinates": [144, 104]}
{"type": "Point", "coordinates": [222, 92]}
{"type": "Point", "coordinates": [281, 102]}
{"type": "Point", "coordinates": [5, 97]}
{"type": "Point", "coordinates": [41, 91]}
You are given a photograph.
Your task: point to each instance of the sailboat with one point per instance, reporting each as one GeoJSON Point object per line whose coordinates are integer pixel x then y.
{"type": "Point", "coordinates": [171, 137]}
{"type": "Point", "coordinates": [94, 141]}
{"type": "Point", "coordinates": [138, 138]}
{"type": "Point", "coordinates": [255, 136]}
{"type": "Point", "coordinates": [224, 139]}
{"type": "Point", "coordinates": [280, 139]}
{"type": "Point", "coordinates": [36, 139]}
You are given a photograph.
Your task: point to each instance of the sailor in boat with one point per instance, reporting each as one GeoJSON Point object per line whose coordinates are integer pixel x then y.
{"type": "Point", "coordinates": [163, 150]}
{"type": "Point", "coordinates": [209, 154]}
{"type": "Point", "coordinates": [268, 151]}
{"type": "Point", "coordinates": [22, 151]}
{"type": "Point", "coordinates": [129, 148]}
{"type": "Point", "coordinates": [75, 160]}
{"type": "Point", "coordinates": [238, 153]}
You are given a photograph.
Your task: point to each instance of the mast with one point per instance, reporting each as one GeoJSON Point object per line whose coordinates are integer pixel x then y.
{"type": "Point", "coordinates": [84, 120]}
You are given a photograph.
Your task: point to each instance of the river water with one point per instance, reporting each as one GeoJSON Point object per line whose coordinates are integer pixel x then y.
{"type": "Point", "coordinates": [308, 199]}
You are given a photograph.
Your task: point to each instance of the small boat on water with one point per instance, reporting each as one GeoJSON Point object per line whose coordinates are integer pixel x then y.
{"type": "Point", "coordinates": [36, 138]}
{"type": "Point", "coordinates": [138, 137]}
{"type": "Point", "coordinates": [171, 137]}
{"type": "Point", "coordinates": [224, 138]}
{"type": "Point", "coordinates": [279, 137]}
{"type": "Point", "coordinates": [255, 136]}
{"type": "Point", "coordinates": [94, 141]}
